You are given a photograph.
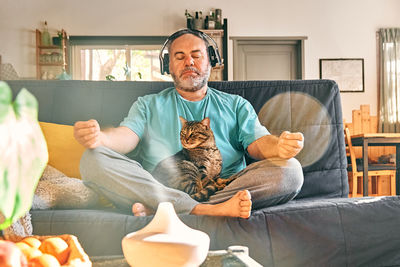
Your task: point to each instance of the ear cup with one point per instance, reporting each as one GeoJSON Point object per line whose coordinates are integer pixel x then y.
{"type": "Point", "coordinates": [212, 54]}
{"type": "Point", "coordinates": [165, 64]}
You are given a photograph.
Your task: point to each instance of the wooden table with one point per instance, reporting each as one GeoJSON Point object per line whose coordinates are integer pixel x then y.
{"type": "Point", "coordinates": [377, 139]}
{"type": "Point", "coordinates": [214, 258]}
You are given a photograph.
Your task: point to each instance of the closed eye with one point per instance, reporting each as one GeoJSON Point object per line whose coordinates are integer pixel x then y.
{"type": "Point", "coordinates": [180, 57]}
{"type": "Point", "coordinates": [196, 54]}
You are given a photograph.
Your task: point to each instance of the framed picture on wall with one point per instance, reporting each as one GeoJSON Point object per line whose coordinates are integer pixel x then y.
{"type": "Point", "coordinates": [348, 73]}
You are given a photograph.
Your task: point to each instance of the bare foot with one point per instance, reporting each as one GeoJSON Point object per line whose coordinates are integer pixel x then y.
{"type": "Point", "coordinates": [237, 206]}
{"type": "Point", "coordinates": [138, 209]}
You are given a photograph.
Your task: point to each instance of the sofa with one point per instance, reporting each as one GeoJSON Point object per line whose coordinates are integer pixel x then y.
{"type": "Point", "coordinates": [320, 227]}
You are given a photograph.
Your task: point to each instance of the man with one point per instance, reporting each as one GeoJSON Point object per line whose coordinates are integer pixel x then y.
{"type": "Point", "coordinates": [152, 126]}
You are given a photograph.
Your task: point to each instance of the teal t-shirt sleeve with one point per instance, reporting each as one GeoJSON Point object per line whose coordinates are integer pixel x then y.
{"type": "Point", "coordinates": [136, 119]}
{"type": "Point", "coordinates": [250, 128]}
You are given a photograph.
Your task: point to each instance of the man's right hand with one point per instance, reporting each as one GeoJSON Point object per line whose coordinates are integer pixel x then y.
{"type": "Point", "coordinates": [88, 133]}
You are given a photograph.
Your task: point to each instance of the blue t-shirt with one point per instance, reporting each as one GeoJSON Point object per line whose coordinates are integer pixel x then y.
{"type": "Point", "coordinates": [155, 119]}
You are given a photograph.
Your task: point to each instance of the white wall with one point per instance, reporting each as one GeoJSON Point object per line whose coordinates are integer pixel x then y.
{"type": "Point", "coordinates": [335, 29]}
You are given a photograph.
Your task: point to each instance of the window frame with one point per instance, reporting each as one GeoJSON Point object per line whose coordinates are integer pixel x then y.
{"type": "Point", "coordinates": [76, 43]}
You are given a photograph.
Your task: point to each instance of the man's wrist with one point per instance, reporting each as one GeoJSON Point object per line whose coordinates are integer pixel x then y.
{"type": "Point", "coordinates": [264, 147]}
{"type": "Point", "coordinates": [103, 139]}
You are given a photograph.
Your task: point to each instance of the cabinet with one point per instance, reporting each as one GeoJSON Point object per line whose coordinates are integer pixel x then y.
{"type": "Point", "coordinates": [51, 60]}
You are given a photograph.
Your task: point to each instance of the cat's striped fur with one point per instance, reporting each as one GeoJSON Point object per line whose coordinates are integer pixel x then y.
{"type": "Point", "coordinates": [196, 168]}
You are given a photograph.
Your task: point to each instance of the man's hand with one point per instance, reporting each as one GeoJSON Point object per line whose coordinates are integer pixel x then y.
{"type": "Point", "coordinates": [286, 146]}
{"type": "Point", "coordinates": [290, 144]}
{"type": "Point", "coordinates": [88, 133]}
{"type": "Point", "coordinates": [120, 139]}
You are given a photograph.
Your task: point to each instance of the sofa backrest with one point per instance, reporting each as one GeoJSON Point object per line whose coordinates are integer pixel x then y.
{"type": "Point", "coordinates": [312, 107]}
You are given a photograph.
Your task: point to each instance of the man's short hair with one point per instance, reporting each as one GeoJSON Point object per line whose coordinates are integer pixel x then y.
{"type": "Point", "coordinates": [179, 33]}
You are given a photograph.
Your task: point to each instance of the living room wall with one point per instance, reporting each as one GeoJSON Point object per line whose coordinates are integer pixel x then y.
{"type": "Point", "coordinates": [335, 29]}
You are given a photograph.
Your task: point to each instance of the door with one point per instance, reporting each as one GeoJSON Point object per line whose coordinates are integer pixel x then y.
{"type": "Point", "coordinates": [265, 58]}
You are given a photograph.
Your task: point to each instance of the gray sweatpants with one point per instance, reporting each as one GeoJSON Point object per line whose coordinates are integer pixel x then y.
{"type": "Point", "coordinates": [124, 182]}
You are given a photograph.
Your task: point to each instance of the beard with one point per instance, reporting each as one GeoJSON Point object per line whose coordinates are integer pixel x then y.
{"type": "Point", "coordinates": [191, 84]}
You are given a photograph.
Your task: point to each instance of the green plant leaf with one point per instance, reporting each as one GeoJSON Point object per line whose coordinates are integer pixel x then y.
{"type": "Point", "coordinates": [110, 77]}
{"type": "Point", "coordinates": [23, 153]}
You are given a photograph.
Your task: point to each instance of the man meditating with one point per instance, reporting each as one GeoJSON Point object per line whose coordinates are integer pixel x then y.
{"type": "Point", "coordinates": [153, 125]}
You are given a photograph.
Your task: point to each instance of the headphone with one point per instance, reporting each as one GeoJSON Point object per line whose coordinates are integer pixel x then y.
{"type": "Point", "coordinates": [212, 49]}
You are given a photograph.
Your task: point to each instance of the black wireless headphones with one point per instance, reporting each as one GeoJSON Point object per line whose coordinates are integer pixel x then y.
{"type": "Point", "coordinates": [212, 50]}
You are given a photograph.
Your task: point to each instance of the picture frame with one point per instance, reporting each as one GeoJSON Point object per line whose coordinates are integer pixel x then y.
{"type": "Point", "coordinates": [348, 73]}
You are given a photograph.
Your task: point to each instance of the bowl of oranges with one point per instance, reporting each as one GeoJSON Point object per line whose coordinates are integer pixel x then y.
{"type": "Point", "coordinates": [48, 251]}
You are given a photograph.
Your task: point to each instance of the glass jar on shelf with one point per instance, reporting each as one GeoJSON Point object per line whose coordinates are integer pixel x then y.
{"type": "Point", "coordinates": [46, 35]}
{"type": "Point", "coordinates": [45, 57]}
{"type": "Point", "coordinates": [42, 58]}
{"type": "Point", "coordinates": [56, 57]}
{"type": "Point", "coordinates": [51, 75]}
{"type": "Point", "coordinates": [44, 75]}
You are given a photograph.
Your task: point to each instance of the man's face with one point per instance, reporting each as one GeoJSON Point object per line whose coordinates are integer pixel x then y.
{"type": "Point", "coordinates": [189, 64]}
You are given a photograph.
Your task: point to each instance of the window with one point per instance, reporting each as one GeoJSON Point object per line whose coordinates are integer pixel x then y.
{"type": "Point", "coordinates": [389, 80]}
{"type": "Point", "coordinates": [116, 58]}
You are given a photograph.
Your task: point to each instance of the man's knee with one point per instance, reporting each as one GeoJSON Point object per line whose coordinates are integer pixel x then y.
{"type": "Point", "coordinates": [295, 174]}
{"type": "Point", "coordinates": [102, 160]}
{"type": "Point", "coordinates": [92, 160]}
{"type": "Point", "coordinates": [91, 157]}
{"type": "Point", "coordinates": [288, 171]}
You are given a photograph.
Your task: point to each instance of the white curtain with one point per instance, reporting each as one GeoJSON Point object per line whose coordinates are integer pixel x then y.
{"type": "Point", "coordinates": [389, 106]}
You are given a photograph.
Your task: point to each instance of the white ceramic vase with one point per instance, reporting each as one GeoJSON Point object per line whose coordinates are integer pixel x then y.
{"type": "Point", "coordinates": [166, 241]}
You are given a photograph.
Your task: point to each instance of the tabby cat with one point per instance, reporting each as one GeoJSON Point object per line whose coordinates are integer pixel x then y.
{"type": "Point", "coordinates": [195, 169]}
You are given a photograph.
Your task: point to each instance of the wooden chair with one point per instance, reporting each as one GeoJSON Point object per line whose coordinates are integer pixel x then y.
{"type": "Point", "coordinates": [374, 171]}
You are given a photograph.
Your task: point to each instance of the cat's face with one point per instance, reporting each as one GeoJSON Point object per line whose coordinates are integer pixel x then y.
{"type": "Point", "coordinates": [195, 133]}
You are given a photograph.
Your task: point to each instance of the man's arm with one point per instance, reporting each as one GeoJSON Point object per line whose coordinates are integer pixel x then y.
{"type": "Point", "coordinates": [120, 139]}
{"type": "Point", "coordinates": [286, 146]}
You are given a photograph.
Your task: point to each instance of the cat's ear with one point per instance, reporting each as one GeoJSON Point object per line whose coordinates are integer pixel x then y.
{"type": "Point", "coordinates": [206, 122]}
{"type": "Point", "coordinates": [183, 121]}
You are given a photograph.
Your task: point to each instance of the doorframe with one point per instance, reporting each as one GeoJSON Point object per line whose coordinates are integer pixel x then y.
{"type": "Point", "coordinates": [299, 41]}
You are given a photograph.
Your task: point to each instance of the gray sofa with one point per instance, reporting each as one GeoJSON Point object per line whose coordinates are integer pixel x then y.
{"type": "Point", "coordinates": [321, 227]}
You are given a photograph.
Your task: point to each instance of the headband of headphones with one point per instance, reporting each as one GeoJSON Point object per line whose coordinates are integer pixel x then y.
{"type": "Point", "coordinates": [212, 49]}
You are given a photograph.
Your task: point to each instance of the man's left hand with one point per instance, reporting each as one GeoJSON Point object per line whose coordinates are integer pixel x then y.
{"type": "Point", "coordinates": [290, 144]}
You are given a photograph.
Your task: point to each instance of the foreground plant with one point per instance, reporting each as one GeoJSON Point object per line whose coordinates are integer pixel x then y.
{"type": "Point", "coordinates": [23, 153]}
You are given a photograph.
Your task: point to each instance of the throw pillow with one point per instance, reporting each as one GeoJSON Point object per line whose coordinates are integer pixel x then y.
{"type": "Point", "coordinates": [64, 151]}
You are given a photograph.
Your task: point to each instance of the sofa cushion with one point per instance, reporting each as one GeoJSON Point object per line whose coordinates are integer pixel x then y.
{"type": "Point", "coordinates": [64, 151]}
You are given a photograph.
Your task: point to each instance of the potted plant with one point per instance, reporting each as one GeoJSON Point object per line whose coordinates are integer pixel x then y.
{"type": "Point", "coordinates": [57, 39]}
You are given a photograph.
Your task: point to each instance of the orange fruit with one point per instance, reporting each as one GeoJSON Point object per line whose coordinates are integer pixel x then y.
{"type": "Point", "coordinates": [22, 245]}
{"type": "Point", "coordinates": [56, 247]}
{"type": "Point", "coordinates": [32, 241]}
{"type": "Point", "coordinates": [31, 253]}
{"type": "Point", "coordinates": [45, 260]}
{"type": "Point", "coordinates": [11, 255]}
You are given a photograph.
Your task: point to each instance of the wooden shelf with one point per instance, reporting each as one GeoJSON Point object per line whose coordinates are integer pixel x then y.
{"type": "Point", "coordinates": [50, 64]}
{"type": "Point", "coordinates": [54, 68]}
{"type": "Point", "coordinates": [49, 47]}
